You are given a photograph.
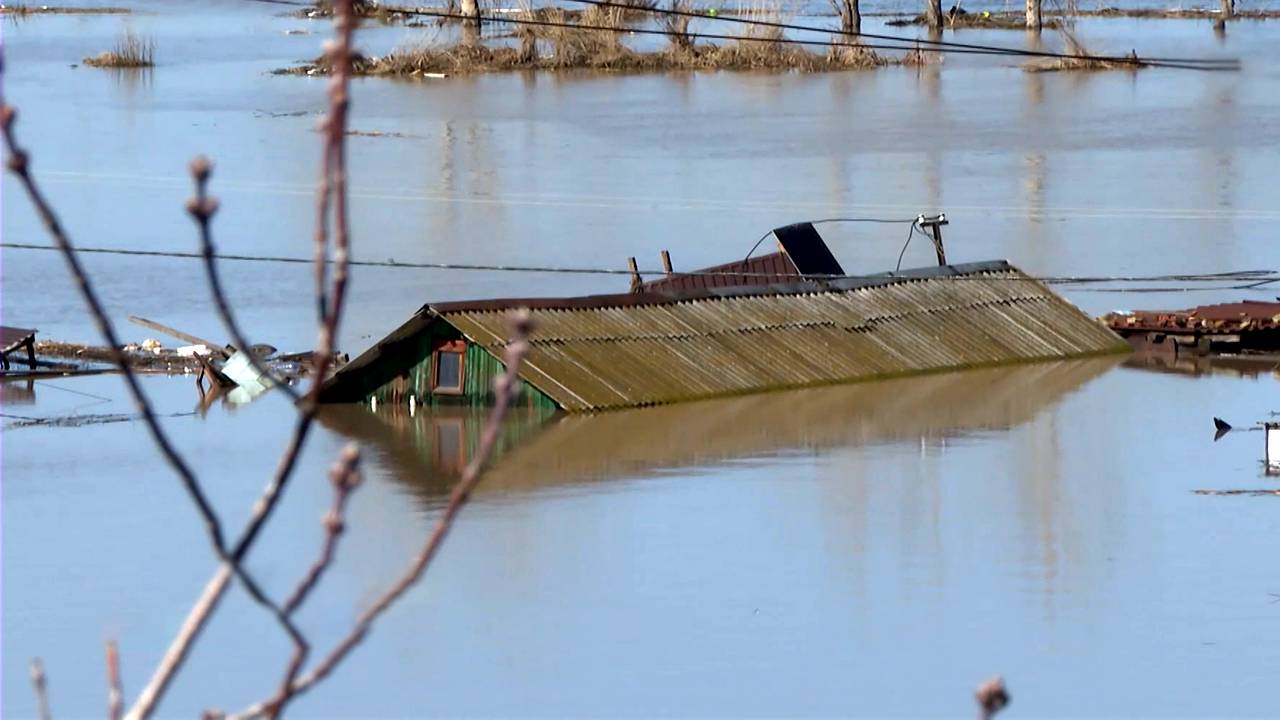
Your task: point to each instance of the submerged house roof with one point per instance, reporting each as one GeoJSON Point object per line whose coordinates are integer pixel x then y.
{"type": "Point", "coordinates": [644, 348]}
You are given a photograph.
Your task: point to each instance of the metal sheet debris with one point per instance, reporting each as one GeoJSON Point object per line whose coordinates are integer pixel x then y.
{"type": "Point", "coordinates": [1242, 327]}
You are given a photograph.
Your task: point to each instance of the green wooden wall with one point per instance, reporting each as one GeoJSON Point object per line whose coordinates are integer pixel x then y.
{"type": "Point", "coordinates": [409, 368]}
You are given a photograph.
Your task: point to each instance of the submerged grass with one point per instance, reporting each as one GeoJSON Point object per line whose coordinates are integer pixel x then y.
{"type": "Point", "coordinates": [585, 52]}
{"type": "Point", "coordinates": [960, 19]}
{"type": "Point", "coordinates": [599, 44]}
{"type": "Point", "coordinates": [1080, 59]}
{"type": "Point", "coordinates": [23, 10]}
{"type": "Point", "coordinates": [131, 51]}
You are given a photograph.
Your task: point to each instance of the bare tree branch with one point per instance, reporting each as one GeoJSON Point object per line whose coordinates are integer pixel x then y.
{"type": "Point", "coordinates": [346, 477]}
{"type": "Point", "coordinates": [992, 698]}
{"type": "Point", "coordinates": [332, 180]}
{"type": "Point", "coordinates": [115, 696]}
{"type": "Point", "coordinates": [507, 386]}
{"type": "Point", "coordinates": [42, 694]}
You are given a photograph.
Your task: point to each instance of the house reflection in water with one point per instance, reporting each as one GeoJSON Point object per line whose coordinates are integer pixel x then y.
{"type": "Point", "coordinates": [540, 448]}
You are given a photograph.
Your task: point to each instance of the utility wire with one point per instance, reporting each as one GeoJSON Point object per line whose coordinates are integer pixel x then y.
{"type": "Point", "coordinates": [908, 43]}
{"type": "Point", "coordinates": [892, 221]}
{"type": "Point", "coordinates": [1251, 278]}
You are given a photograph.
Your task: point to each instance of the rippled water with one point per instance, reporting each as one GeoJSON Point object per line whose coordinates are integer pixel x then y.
{"type": "Point", "coordinates": [872, 550]}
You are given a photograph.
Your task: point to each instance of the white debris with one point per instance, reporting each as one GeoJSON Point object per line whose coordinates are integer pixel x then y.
{"type": "Point", "coordinates": [194, 350]}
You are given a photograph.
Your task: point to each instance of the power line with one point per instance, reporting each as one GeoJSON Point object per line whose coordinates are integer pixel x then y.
{"type": "Point", "coordinates": [1248, 279]}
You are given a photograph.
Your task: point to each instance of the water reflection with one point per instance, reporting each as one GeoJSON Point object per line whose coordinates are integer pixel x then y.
{"type": "Point", "coordinates": [1240, 366]}
{"type": "Point", "coordinates": [427, 452]}
{"type": "Point", "coordinates": [17, 392]}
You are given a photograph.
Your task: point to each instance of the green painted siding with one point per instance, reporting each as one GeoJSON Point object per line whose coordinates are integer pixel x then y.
{"type": "Point", "coordinates": [480, 369]}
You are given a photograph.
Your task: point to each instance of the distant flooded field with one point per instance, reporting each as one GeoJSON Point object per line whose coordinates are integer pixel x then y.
{"type": "Point", "coordinates": [876, 549]}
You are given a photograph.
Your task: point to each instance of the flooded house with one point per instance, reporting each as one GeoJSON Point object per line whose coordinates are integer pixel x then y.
{"type": "Point", "coordinates": [789, 319]}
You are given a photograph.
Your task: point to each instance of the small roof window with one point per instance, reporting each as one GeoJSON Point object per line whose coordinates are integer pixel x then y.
{"type": "Point", "coordinates": [447, 367]}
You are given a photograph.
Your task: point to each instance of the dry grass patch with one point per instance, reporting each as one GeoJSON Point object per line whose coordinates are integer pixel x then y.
{"type": "Point", "coordinates": [984, 20]}
{"type": "Point", "coordinates": [131, 51]}
{"type": "Point", "coordinates": [1081, 59]}
{"type": "Point", "coordinates": [584, 50]}
{"type": "Point", "coordinates": [595, 39]}
{"type": "Point", "coordinates": [24, 10]}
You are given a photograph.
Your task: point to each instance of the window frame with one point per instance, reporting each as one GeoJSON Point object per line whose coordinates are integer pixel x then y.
{"type": "Point", "coordinates": [449, 346]}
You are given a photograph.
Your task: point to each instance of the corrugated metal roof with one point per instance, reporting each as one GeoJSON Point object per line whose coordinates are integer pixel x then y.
{"type": "Point", "coordinates": [639, 349]}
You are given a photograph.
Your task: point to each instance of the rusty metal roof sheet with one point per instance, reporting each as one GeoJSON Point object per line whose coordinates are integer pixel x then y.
{"type": "Point", "coordinates": [614, 351]}
{"type": "Point", "coordinates": [759, 270]}
{"type": "Point", "coordinates": [13, 337]}
{"type": "Point", "coordinates": [1222, 319]}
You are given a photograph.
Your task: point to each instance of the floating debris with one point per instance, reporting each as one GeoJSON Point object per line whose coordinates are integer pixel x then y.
{"type": "Point", "coordinates": [13, 339]}
{"type": "Point", "coordinates": [65, 421]}
{"type": "Point", "coordinates": [1229, 328]}
{"type": "Point", "coordinates": [22, 10]}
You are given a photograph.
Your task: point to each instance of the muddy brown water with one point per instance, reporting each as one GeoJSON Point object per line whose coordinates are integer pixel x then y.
{"type": "Point", "coordinates": [874, 550]}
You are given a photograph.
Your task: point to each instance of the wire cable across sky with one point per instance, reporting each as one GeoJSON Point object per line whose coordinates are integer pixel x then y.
{"type": "Point", "coordinates": [1242, 279]}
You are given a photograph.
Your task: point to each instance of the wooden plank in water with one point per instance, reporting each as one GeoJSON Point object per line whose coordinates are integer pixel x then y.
{"type": "Point", "coordinates": [173, 332]}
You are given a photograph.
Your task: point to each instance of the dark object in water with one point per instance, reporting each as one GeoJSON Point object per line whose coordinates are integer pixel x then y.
{"type": "Point", "coordinates": [1222, 427]}
{"type": "Point", "coordinates": [12, 339]}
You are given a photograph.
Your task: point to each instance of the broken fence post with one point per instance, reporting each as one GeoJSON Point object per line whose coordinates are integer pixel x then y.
{"type": "Point", "coordinates": [636, 282]}
{"type": "Point", "coordinates": [1273, 448]}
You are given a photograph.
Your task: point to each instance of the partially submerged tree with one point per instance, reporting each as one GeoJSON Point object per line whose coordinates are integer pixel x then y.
{"type": "Point", "coordinates": [933, 14]}
{"type": "Point", "coordinates": [850, 17]}
{"type": "Point", "coordinates": [1034, 18]}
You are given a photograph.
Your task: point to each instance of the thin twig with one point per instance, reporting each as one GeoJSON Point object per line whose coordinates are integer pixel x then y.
{"type": "Point", "coordinates": [992, 697]}
{"type": "Point", "coordinates": [335, 125]}
{"type": "Point", "coordinates": [346, 477]}
{"type": "Point", "coordinates": [115, 696]}
{"type": "Point", "coordinates": [202, 208]}
{"type": "Point", "coordinates": [38, 682]}
{"type": "Point", "coordinates": [507, 386]}
{"type": "Point", "coordinates": [209, 599]}
{"type": "Point", "coordinates": [335, 178]}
